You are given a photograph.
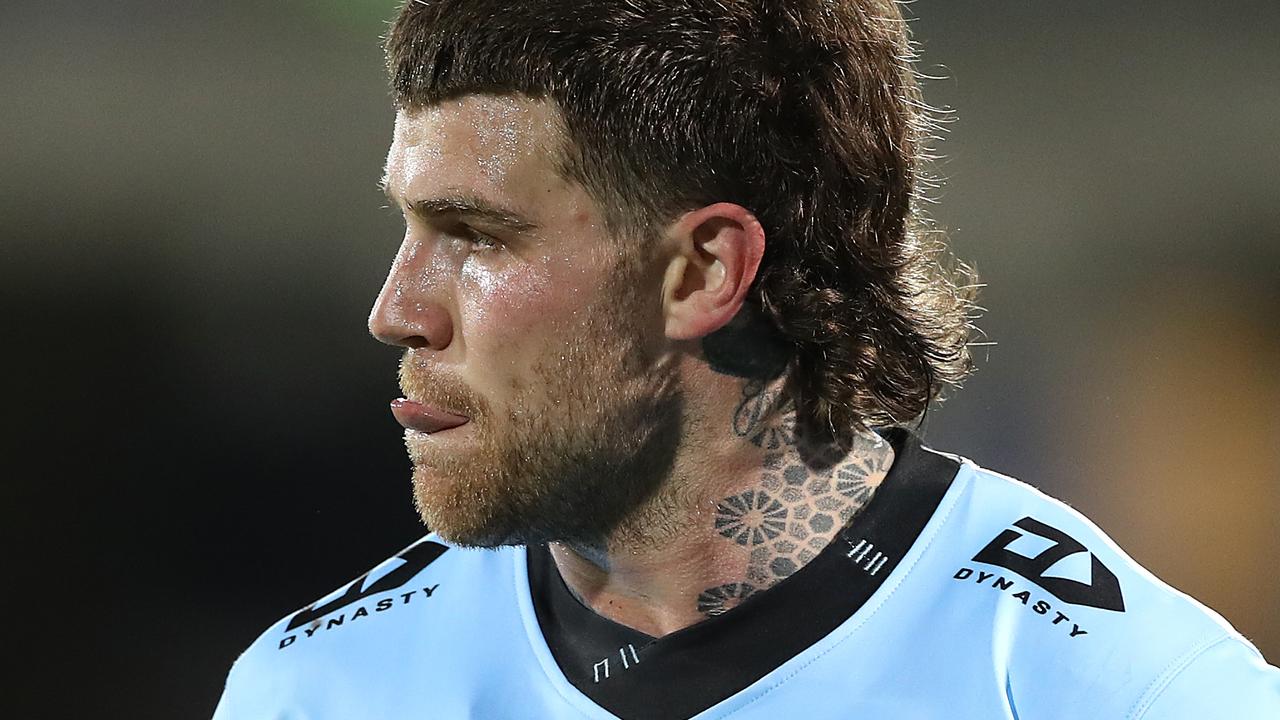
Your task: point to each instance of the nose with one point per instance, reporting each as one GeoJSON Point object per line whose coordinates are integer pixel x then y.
{"type": "Point", "coordinates": [409, 312]}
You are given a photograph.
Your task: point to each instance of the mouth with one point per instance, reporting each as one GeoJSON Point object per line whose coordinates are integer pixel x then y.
{"type": "Point", "coordinates": [425, 418]}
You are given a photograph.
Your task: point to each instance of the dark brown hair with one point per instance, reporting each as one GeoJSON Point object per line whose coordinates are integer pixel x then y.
{"type": "Point", "coordinates": [806, 112]}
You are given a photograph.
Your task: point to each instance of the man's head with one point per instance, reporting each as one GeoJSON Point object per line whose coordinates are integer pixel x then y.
{"type": "Point", "coordinates": [631, 157]}
{"type": "Point", "coordinates": [519, 314]}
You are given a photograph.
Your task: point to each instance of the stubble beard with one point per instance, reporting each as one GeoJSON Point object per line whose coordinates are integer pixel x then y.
{"type": "Point", "coordinates": [588, 444]}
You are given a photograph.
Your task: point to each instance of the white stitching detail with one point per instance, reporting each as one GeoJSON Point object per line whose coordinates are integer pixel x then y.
{"type": "Point", "coordinates": [1166, 677]}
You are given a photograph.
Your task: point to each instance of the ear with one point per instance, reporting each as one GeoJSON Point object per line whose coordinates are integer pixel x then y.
{"type": "Point", "coordinates": [717, 253]}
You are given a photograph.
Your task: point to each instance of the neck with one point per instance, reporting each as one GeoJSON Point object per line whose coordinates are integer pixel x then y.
{"type": "Point", "coordinates": [747, 505]}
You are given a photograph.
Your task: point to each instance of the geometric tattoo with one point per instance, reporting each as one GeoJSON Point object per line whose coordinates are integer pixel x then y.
{"type": "Point", "coordinates": [798, 506]}
{"type": "Point", "coordinates": [815, 503]}
{"type": "Point", "coordinates": [719, 600]}
{"type": "Point", "coordinates": [748, 419]}
{"type": "Point", "coordinates": [750, 518]}
{"type": "Point", "coordinates": [789, 519]}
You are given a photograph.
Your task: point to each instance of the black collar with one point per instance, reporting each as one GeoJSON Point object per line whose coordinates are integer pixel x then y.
{"type": "Point", "coordinates": [679, 675]}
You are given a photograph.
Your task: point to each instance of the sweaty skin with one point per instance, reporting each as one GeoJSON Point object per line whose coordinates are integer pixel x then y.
{"type": "Point", "coordinates": [669, 489]}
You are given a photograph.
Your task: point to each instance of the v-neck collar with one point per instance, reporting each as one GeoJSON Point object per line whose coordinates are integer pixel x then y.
{"type": "Point", "coordinates": [638, 677]}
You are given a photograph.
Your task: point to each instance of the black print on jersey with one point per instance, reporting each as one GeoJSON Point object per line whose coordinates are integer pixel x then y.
{"type": "Point", "coordinates": [1102, 591]}
{"type": "Point", "coordinates": [416, 558]}
{"type": "Point", "coordinates": [336, 621]}
{"type": "Point", "coordinates": [1035, 604]}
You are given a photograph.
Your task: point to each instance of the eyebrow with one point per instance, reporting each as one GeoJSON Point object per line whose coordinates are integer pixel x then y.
{"type": "Point", "coordinates": [463, 205]}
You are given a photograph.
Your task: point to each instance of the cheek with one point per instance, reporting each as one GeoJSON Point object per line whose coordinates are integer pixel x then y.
{"type": "Point", "coordinates": [509, 310]}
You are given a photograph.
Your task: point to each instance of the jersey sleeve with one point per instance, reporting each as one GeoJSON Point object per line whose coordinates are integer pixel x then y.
{"type": "Point", "coordinates": [227, 709]}
{"type": "Point", "coordinates": [263, 686]}
{"type": "Point", "coordinates": [246, 695]}
{"type": "Point", "coordinates": [1224, 679]}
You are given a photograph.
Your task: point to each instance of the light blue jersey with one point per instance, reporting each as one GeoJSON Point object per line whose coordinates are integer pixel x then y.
{"type": "Point", "coordinates": [1002, 603]}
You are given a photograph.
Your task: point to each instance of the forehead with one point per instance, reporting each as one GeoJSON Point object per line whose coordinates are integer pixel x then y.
{"type": "Point", "coordinates": [503, 147]}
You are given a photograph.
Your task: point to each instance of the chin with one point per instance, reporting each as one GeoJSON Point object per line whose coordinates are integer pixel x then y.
{"type": "Point", "coordinates": [465, 512]}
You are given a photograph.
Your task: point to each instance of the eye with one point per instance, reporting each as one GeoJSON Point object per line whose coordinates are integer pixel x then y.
{"type": "Point", "coordinates": [480, 241]}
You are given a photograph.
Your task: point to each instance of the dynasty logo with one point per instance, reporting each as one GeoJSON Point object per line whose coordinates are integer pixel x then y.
{"type": "Point", "coordinates": [413, 560]}
{"type": "Point", "coordinates": [1102, 591]}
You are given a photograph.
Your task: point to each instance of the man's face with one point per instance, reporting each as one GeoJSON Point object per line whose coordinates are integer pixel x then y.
{"type": "Point", "coordinates": [524, 321]}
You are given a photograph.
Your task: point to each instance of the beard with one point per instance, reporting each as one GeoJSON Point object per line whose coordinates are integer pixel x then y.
{"type": "Point", "coordinates": [570, 457]}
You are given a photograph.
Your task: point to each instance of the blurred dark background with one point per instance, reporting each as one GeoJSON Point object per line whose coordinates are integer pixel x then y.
{"type": "Point", "coordinates": [195, 426]}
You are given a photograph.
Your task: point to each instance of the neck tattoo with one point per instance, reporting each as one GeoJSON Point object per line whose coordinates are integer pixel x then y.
{"type": "Point", "coordinates": [801, 500]}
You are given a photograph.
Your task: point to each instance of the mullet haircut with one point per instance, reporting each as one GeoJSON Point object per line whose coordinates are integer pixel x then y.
{"type": "Point", "coordinates": [805, 112]}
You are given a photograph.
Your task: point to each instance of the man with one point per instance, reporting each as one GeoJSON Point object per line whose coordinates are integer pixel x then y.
{"type": "Point", "coordinates": [666, 310]}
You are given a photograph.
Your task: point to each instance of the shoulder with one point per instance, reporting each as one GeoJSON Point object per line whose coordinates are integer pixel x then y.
{"type": "Point", "coordinates": [1037, 538]}
{"type": "Point", "coordinates": [1072, 617]}
{"type": "Point", "coordinates": [371, 630]}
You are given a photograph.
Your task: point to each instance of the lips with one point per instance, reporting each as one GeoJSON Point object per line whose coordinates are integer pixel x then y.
{"type": "Point", "coordinates": [425, 418]}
